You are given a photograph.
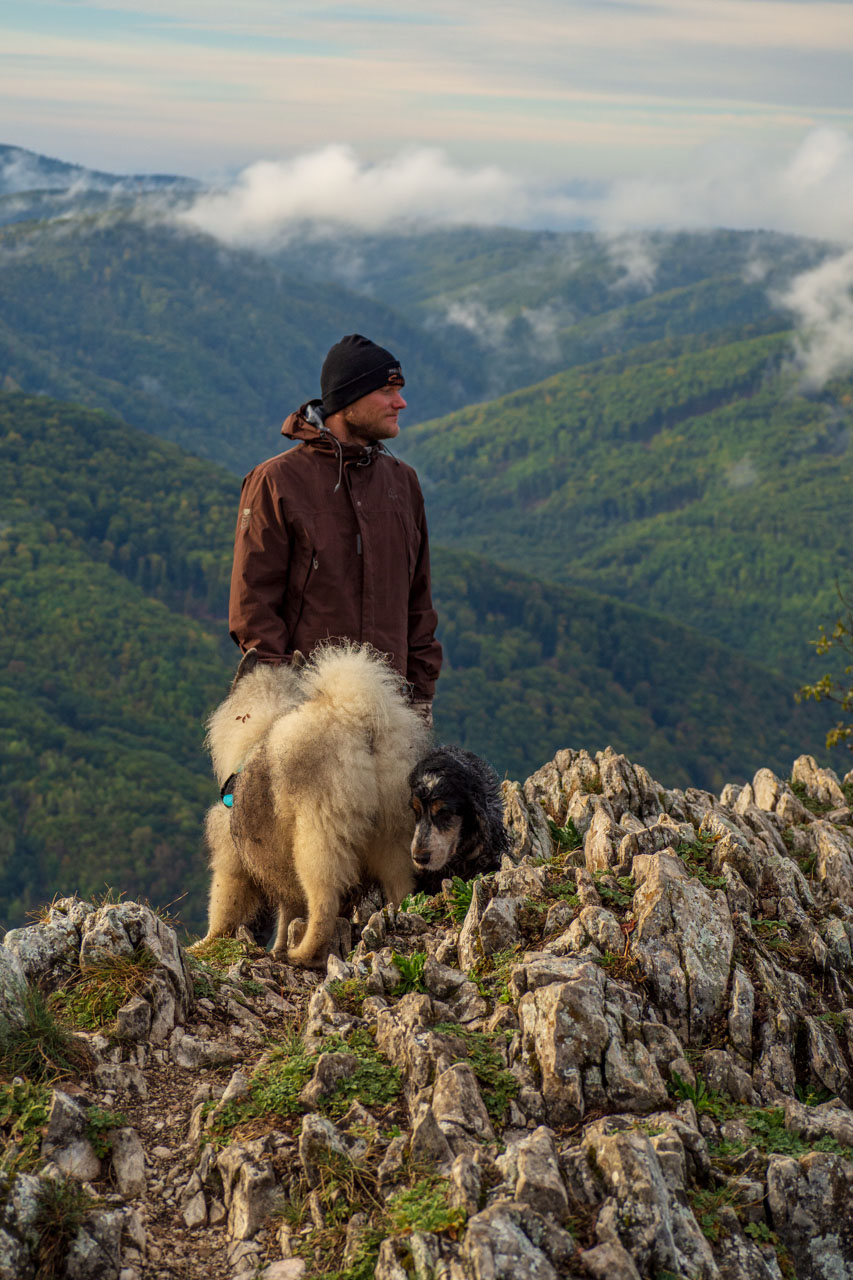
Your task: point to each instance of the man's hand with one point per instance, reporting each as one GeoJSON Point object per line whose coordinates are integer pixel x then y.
{"type": "Point", "coordinates": [424, 710]}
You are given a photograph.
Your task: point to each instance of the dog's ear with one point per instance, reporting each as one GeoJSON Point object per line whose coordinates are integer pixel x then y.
{"type": "Point", "coordinates": [248, 662]}
{"type": "Point", "coordinates": [298, 661]}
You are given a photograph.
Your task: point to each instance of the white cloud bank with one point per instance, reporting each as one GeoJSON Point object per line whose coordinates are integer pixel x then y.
{"type": "Point", "coordinates": [808, 192]}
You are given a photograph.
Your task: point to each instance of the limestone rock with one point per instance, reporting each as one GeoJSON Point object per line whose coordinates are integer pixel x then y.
{"type": "Point", "coordinates": [248, 1184]}
{"type": "Point", "coordinates": [128, 1162]}
{"type": "Point", "coordinates": [809, 1203]}
{"type": "Point", "coordinates": [684, 939]}
{"type": "Point", "coordinates": [526, 823]}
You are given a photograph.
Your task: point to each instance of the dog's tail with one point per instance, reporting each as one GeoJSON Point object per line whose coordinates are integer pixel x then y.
{"type": "Point", "coordinates": [355, 682]}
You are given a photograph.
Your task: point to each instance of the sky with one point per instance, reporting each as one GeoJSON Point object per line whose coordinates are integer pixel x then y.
{"type": "Point", "coordinates": [563, 90]}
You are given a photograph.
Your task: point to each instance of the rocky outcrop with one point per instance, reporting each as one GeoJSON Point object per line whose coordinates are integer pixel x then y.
{"type": "Point", "coordinates": [626, 1054]}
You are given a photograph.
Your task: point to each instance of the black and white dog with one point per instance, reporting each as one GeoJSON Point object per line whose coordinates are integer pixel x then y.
{"type": "Point", "coordinates": [460, 828]}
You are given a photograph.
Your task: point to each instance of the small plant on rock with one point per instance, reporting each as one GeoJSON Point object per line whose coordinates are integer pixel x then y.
{"type": "Point", "coordinates": [699, 1094]}
{"type": "Point", "coordinates": [411, 970]}
{"type": "Point", "coordinates": [432, 909]}
{"type": "Point", "coordinates": [498, 1085]}
{"type": "Point", "coordinates": [40, 1047]}
{"type": "Point", "coordinates": [696, 856]}
{"type": "Point", "coordinates": [425, 1207]}
{"type": "Point", "coordinates": [349, 993]}
{"type": "Point", "coordinates": [460, 896]}
{"type": "Point", "coordinates": [24, 1108]}
{"type": "Point", "coordinates": [101, 1124]}
{"type": "Point", "coordinates": [63, 1205]}
{"type": "Point", "coordinates": [566, 838]}
{"type": "Point", "coordinates": [95, 995]}
{"type": "Point", "coordinates": [615, 892]}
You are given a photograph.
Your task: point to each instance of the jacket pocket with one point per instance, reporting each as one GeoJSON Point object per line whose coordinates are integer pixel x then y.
{"type": "Point", "coordinates": [298, 603]}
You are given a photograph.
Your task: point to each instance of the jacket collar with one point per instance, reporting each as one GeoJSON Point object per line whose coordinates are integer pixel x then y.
{"type": "Point", "coordinates": [297, 427]}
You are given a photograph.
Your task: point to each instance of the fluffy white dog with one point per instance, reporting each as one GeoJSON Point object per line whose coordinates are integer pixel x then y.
{"type": "Point", "coordinates": [315, 760]}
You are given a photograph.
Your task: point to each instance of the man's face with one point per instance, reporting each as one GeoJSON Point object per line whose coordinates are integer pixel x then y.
{"type": "Point", "coordinates": [374, 416]}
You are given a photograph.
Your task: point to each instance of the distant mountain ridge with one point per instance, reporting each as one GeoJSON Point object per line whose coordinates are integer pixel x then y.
{"type": "Point", "coordinates": [22, 170]}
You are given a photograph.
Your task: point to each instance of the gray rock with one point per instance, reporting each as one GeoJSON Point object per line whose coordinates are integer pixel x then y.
{"type": "Point", "coordinates": [833, 860]}
{"type": "Point", "coordinates": [13, 986]}
{"type": "Point", "coordinates": [319, 1143]}
{"type": "Point", "coordinates": [628, 787]}
{"type": "Point", "coordinates": [645, 1210]}
{"type": "Point", "coordinates": [469, 946]}
{"type": "Point", "coordinates": [121, 929]}
{"type": "Point", "coordinates": [128, 1162]}
{"type": "Point", "coordinates": [684, 939]}
{"type": "Point", "coordinates": [499, 926]}
{"type": "Point", "coordinates": [49, 950]}
{"type": "Point", "coordinates": [194, 1053]}
{"type": "Point", "coordinates": [601, 841]}
{"type": "Point", "coordinates": [330, 1070]}
{"type": "Point", "coordinates": [609, 1262]}
{"type": "Point", "coordinates": [526, 823]}
{"type": "Point", "coordinates": [248, 1185]}
{"type": "Point", "coordinates": [121, 1077]}
{"type": "Point", "coordinates": [809, 1204]}
{"type": "Point", "coordinates": [820, 784]}
{"type": "Point", "coordinates": [15, 1259]}
{"type": "Point", "coordinates": [509, 1241]}
{"type": "Point", "coordinates": [95, 1252]}
{"type": "Point", "coordinates": [133, 1020]}
{"type": "Point", "coordinates": [65, 1142]}
{"type": "Point", "coordinates": [538, 1181]}
{"type": "Point", "coordinates": [459, 1110]}
{"type": "Point", "coordinates": [428, 1142]}
{"type": "Point", "coordinates": [828, 1120]}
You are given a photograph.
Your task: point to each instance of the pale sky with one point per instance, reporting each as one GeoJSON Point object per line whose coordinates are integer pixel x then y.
{"type": "Point", "coordinates": [549, 90]}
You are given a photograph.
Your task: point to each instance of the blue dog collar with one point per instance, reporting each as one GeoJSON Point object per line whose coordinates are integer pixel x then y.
{"type": "Point", "coordinates": [226, 791]}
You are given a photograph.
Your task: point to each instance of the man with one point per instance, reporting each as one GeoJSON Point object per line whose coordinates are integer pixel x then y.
{"type": "Point", "coordinates": [331, 538]}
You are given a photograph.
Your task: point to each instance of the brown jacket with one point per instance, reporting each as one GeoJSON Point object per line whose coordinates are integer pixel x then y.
{"type": "Point", "coordinates": [316, 559]}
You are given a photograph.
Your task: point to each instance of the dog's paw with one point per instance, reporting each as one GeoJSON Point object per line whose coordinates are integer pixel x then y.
{"type": "Point", "coordinates": [301, 960]}
{"type": "Point", "coordinates": [296, 932]}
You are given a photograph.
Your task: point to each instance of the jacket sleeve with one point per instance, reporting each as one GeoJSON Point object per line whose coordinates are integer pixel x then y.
{"type": "Point", "coordinates": [424, 659]}
{"type": "Point", "coordinates": [259, 572]}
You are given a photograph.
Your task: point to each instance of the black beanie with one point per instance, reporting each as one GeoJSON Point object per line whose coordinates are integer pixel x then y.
{"type": "Point", "coordinates": [354, 367]}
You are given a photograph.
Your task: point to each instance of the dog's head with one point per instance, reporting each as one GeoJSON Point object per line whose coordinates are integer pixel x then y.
{"type": "Point", "coordinates": [439, 815]}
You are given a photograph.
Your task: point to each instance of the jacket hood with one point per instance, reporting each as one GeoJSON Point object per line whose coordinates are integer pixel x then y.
{"type": "Point", "coordinates": [300, 426]}
{"type": "Point", "coordinates": [303, 426]}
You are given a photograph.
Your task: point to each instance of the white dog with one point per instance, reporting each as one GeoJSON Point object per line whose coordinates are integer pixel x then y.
{"type": "Point", "coordinates": [315, 760]}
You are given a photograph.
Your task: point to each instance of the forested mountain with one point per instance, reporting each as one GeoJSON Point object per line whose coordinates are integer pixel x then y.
{"type": "Point", "coordinates": [208, 347]}
{"type": "Point", "coordinates": [112, 299]}
{"type": "Point", "coordinates": [705, 486]}
{"type": "Point", "coordinates": [114, 558]}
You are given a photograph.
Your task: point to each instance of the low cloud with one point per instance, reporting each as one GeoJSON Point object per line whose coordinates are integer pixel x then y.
{"type": "Point", "coordinates": [808, 192]}
{"type": "Point", "coordinates": [821, 301]}
{"type": "Point", "coordinates": [333, 187]}
{"type": "Point", "coordinates": [633, 255]}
